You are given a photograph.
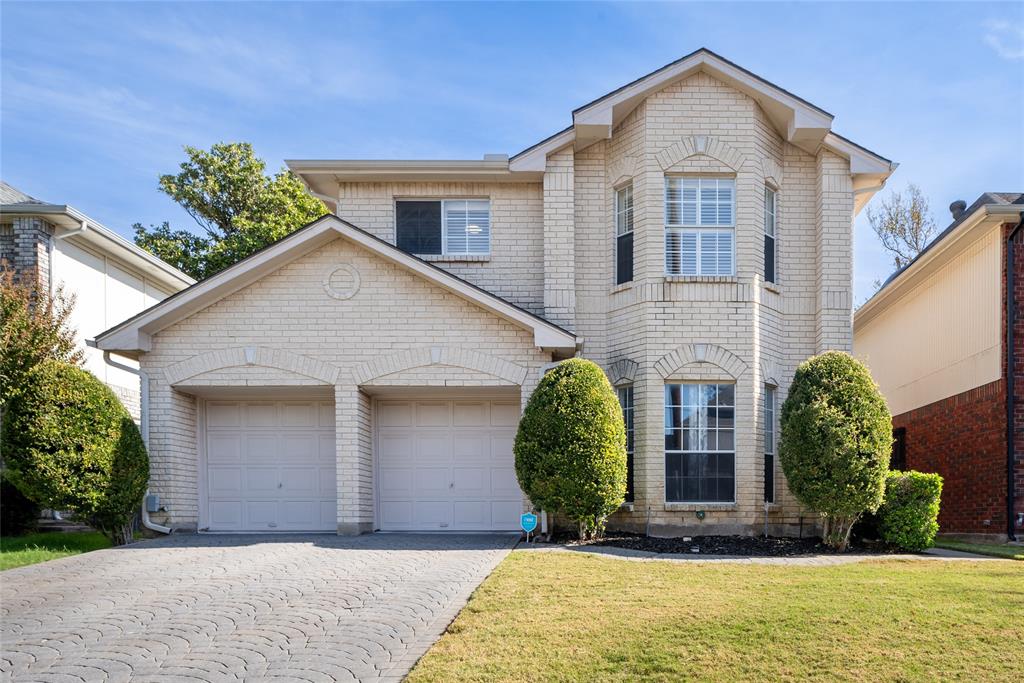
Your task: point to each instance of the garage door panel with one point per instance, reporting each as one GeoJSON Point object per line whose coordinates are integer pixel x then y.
{"type": "Point", "coordinates": [433, 414]}
{"type": "Point", "coordinates": [270, 466]}
{"type": "Point", "coordinates": [261, 415]}
{"type": "Point", "coordinates": [452, 470]}
{"type": "Point", "coordinates": [225, 481]}
{"type": "Point", "coordinates": [224, 448]}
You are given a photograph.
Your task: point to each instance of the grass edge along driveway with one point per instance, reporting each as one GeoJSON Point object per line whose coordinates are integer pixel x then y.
{"type": "Point", "coordinates": [554, 616]}
{"type": "Point", "coordinates": [21, 551]}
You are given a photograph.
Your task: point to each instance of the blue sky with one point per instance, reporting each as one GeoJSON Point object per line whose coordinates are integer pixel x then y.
{"type": "Point", "coordinates": [97, 99]}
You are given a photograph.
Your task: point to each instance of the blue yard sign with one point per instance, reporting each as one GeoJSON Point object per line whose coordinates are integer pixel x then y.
{"type": "Point", "coordinates": [528, 521]}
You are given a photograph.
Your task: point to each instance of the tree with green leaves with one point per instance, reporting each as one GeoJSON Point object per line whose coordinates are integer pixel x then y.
{"type": "Point", "coordinates": [570, 449]}
{"type": "Point", "coordinates": [34, 327]}
{"type": "Point", "coordinates": [238, 208]}
{"type": "Point", "coordinates": [835, 443]}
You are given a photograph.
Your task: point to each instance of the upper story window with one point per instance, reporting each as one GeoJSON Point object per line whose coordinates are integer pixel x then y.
{"type": "Point", "coordinates": [700, 226]}
{"type": "Point", "coordinates": [770, 198]}
{"type": "Point", "coordinates": [447, 226]}
{"type": "Point", "coordinates": [700, 443]}
{"type": "Point", "coordinates": [624, 234]}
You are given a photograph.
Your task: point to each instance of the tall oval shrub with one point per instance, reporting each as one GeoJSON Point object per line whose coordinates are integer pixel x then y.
{"type": "Point", "coordinates": [571, 446]}
{"type": "Point", "coordinates": [69, 444]}
{"type": "Point", "coordinates": [909, 516]}
{"type": "Point", "coordinates": [835, 441]}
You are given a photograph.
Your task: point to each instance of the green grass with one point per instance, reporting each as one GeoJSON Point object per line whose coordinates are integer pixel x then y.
{"type": "Point", "coordinates": [18, 551]}
{"type": "Point", "coordinates": [1008, 552]}
{"type": "Point", "coordinates": [552, 616]}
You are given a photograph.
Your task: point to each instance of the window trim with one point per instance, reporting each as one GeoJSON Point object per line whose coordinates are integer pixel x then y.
{"type": "Point", "coordinates": [683, 228]}
{"type": "Point", "coordinates": [774, 236]}
{"type": "Point", "coordinates": [630, 452]}
{"type": "Point", "coordinates": [771, 440]}
{"type": "Point", "coordinates": [619, 233]}
{"type": "Point", "coordinates": [733, 452]}
{"type": "Point", "coordinates": [444, 224]}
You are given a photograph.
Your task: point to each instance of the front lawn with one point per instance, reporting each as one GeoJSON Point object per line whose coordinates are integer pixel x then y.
{"type": "Point", "coordinates": [1009, 552]}
{"type": "Point", "coordinates": [18, 551]}
{"type": "Point", "coordinates": [556, 616]}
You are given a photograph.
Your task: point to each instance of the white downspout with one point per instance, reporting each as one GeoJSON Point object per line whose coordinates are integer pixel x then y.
{"type": "Point", "coordinates": [143, 427]}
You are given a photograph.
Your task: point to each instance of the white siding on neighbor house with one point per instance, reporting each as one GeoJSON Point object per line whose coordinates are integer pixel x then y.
{"type": "Point", "coordinates": [943, 337]}
{"type": "Point", "coordinates": [106, 292]}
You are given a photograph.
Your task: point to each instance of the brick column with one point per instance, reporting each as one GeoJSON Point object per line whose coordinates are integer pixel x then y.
{"type": "Point", "coordinates": [834, 254]}
{"type": "Point", "coordinates": [559, 239]}
{"type": "Point", "coordinates": [354, 443]}
{"type": "Point", "coordinates": [33, 238]}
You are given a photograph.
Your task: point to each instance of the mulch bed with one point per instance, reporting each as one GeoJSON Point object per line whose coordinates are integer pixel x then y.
{"type": "Point", "coordinates": [742, 546]}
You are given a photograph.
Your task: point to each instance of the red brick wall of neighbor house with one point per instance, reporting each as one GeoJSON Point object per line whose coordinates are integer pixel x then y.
{"type": "Point", "coordinates": [1018, 399]}
{"type": "Point", "coordinates": [963, 438]}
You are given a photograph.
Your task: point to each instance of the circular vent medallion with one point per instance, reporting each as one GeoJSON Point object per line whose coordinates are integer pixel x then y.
{"type": "Point", "coordinates": [342, 282]}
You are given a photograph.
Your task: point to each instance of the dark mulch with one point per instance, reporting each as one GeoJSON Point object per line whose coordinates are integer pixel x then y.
{"type": "Point", "coordinates": [743, 546]}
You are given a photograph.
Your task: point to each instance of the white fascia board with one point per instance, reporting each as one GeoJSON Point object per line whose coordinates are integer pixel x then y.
{"type": "Point", "coordinates": [862, 161]}
{"type": "Point", "coordinates": [535, 159]}
{"type": "Point", "coordinates": [983, 219]}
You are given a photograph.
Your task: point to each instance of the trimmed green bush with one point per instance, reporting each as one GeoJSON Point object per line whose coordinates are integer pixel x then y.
{"type": "Point", "coordinates": [909, 517]}
{"type": "Point", "coordinates": [69, 444]}
{"type": "Point", "coordinates": [18, 514]}
{"type": "Point", "coordinates": [835, 442]}
{"type": "Point", "coordinates": [571, 446]}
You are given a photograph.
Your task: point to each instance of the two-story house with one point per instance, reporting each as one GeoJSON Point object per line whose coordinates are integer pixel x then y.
{"type": "Point", "coordinates": [691, 232]}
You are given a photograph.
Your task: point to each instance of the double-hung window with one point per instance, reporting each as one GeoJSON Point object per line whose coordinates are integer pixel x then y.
{"type": "Point", "coordinates": [769, 443]}
{"type": "Point", "coordinates": [700, 226]}
{"type": "Point", "coordinates": [624, 234]}
{"type": "Point", "coordinates": [700, 443]}
{"type": "Point", "coordinates": [770, 197]}
{"type": "Point", "coordinates": [626, 401]}
{"type": "Point", "coordinates": [448, 226]}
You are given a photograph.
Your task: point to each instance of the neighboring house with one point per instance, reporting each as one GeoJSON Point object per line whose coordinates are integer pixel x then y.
{"type": "Point", "coordinates": [935, 338]}
{"type": "Point", "coordinates": [690, 232]}
{"type": "Point", "coordinates": [110, 278]}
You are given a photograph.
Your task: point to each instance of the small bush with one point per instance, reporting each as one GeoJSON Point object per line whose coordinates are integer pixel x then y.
{"type": "Point", "coordinates": [835, 442]}
{"type": "Point", "coordinates": [18, 514]}
{"type": "Point", "coordinates": [571, 446]}
{"type": "Point", "coordinates": [909, 516]}
{"type": "Point", "coordinates": [69, 444]}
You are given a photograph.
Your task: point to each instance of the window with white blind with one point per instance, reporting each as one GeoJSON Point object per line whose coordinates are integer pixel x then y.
{"type": "Point", "coordinates": [700, 226]}
{"type": "Point", "coordinates": [769, 234]}
{"type": "Point", "coordinates": [449, 226]}
{"type": "Point", "coordinates": [624, 234]}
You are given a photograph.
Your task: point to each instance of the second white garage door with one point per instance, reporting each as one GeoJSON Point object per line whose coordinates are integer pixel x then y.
{"type": "Point", "coordinates": [447, 465]}
{"type": "Point", "coordinates": [270, 466]}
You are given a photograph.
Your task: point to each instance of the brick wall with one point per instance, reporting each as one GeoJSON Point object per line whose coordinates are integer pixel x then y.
{"type": "Point", "coordinates": [963, 438]}
{"type": "Point", "coordinates": [1018, 399]}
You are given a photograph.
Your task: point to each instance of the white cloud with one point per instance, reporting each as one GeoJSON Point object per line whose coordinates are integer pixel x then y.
{"type": "Point", "coordinates": [1006, 39]}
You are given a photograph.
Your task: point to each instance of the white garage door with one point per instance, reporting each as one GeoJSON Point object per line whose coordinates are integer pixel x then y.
{"type": "Point", "coordinates": [447, 465]}
{"type": "Point", "coordinates": [270, 466]}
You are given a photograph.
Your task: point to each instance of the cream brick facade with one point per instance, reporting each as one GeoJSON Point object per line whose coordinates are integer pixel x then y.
{"type": "Point", "coordinates": [553, 254]}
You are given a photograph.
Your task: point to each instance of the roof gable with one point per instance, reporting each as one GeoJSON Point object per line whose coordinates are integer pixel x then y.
{"type": "Point", "coordinates": [133, 336]}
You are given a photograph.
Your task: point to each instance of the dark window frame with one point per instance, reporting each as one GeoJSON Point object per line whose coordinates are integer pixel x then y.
{"type": "Point", "coordinates": [770, 440]}
{"type": "Point", "coordinates": [624, 216]}
{"type": "Point", "coordinates": [626, 401]}
{"type": "Point", "coordinates": [771, 235]}
{"type": "Point", "coordinates": [700, 443]}
{"type": "Point", "coordinates": [437, 244]}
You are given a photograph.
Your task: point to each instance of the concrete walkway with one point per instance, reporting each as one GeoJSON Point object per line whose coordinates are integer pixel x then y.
{"type": "Point", "coordinates": [796, 561]}
{"type": "Point", "coordinates": [227, 608]}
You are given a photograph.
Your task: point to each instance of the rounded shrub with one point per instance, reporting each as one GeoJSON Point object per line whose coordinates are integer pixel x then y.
{"type": "Point", "coordinates": [69, 444]}
{"type": "Point", "coordinates": [571, 446]}
{"type": "Point", "coordinates": [835, 441]}
{"type": "Point", "coordinates": [909, 516]}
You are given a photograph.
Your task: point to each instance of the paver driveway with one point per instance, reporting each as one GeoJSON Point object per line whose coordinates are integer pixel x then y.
{"type": "Point", "coordinates": [224, 608]}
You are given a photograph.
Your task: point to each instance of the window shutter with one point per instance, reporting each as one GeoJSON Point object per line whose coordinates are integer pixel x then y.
{"type": "Point", "coordinates": [418, 227]}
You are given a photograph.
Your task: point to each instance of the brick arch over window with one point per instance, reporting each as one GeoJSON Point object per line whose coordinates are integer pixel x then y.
{"type": "Point", "coordinates": [771, 372]}
{"type": "Point", "coordinates": [690, 354]}
{"type": "Point", "coordinates": [622, 371]}
{"type": "Point", "coordinates": [249, 356]}
{"type": "Point", "coordinates": [705, 145]}
{"type": "Point", "coordinates": [621, 170]}
{"type": "Point", "coordinates": [772, 172]}
{"type": "Point", "coordinates": [422, 357]}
